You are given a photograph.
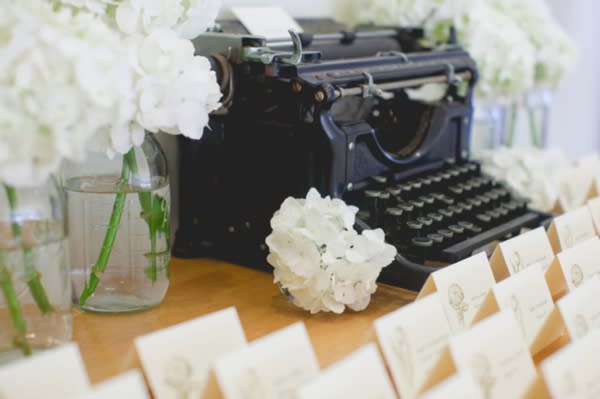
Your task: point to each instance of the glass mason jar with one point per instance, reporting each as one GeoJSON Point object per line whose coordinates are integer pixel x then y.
{"type": "Point", "coordinates": [118, 216]}
{"type": "Point", "coordinates": [35, 286]}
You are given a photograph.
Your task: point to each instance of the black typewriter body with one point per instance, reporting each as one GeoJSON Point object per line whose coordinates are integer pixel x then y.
{"type": "Point", "coordinates": [354, 128]}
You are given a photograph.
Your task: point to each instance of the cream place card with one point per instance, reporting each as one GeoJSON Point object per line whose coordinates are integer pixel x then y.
{"type": "Point", "coordinates": [270, 22]}
{"type": "Point", "coordinates": [460, 385]}
{"type": "Point", "coordinates": [411, 340]}
{"type": "Point", "coordinates": [177, 359]}
{"type": "Point", "coordinates": [574, 371]}
{"type": "Point", "coordinates": [495, 353]}
{"type": "Point", "coordinates": [594, 208]}
{"type": "Point", "coordinates": [462, 288]}
{"type": "Point", "coordinates": [128, 385]}
{"type": "Point", "coordinates": [273, 366]}
{"type": "Point", "coordinates": [570, 229]}
{"type": "Point", "coordinates": [572, 267]}
{"type": "Point", "coordinates": [527, 296]}
{"type": "Point", "coordinates": [520, 252]}
{"type": "Point", "coordinates": [360, 375]}
{"type": "Point", "coordinates": [580, 310]}
{"type": "Point", "coordinates": [55, 373]}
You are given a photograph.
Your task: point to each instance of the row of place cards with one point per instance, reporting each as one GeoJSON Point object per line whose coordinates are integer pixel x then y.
{"type": "Point", "coordinates": [472, 330]}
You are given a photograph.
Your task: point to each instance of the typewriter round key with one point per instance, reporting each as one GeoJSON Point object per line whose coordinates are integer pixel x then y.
{"type": "Point", "coordinates": [438, 240]}
{"type": "Point", "coordinates": [414, 228]}
{"type": "Point", "coordinates": [447, 200]}
{"type": "Point", "coordinates": [457, 210]}
{"type": "Point", "coordinates": [485, 201]}
{"type": "Point", "coordinates": [407, 191]}
{"type": "Point", "coordinates": [418, 205]}
{"type": "Point", "coordinates": [503, 194]}
{"type": "Point", "coordinates": [394, 219]}
{"type": "Point", "coordinates": [429, 202]}
{"type": "Point", "coordinates": [372, 199]}
{"type": "Point", "coordinates": [421, 246]}
{"type": "Point", "coordinates": [436, 217]}
{"type": "Point", "coordinates": [469, 227]}
{"type": "Point", "coordinates": [455, 191]}
{"type": "Point", "coordinates": [447, 234]}
{"type": "Point", "coordinates": [427, 223]}
{"type": "Point", "coordinates": [384, 200]}
{"type": "Point", "coordinates": [494, 215]}
{"type": "Point", "coordinates": [447, 214]}
{"type": "Point", "coordinates": [394, 191]}
{"type": "Point", "coordinates": [379, 181]}
{"type": "Point", "coordinates": [465, 206]}
{"type": "Point", "coordinates": [457, 230]}
{"type": "Point", "coordinates": [484, 219]}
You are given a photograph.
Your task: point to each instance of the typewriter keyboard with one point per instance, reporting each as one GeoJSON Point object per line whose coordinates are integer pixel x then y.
{"type": "Point", "coordinates": [443, 216]}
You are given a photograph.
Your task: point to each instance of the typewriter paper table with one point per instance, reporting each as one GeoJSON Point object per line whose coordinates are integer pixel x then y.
{"type": "Point", "coordinates": [201, 286]}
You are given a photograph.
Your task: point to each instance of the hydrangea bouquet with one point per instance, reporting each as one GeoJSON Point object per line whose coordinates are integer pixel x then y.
{"type": "Point", "coordinates": [319, 260]}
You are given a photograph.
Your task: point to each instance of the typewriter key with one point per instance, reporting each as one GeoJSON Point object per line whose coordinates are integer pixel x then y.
{"type": "Point", "coordinates": [492, 213]}
{"type": "Point", "coordinates": [459, 232]}
{"type": "Point", "coordinates": [379, 181]}
{"type": "Point", "coordinates": [444, 199]}
{"type": "Point", "coordinates": [393, 221]}
{"type": "Point", "coordinates": [421, 247]}
{"type": "Point", "coordinates": [470, 227]}
{"type": "Point", "coordinates": [372, 199]}
{"type": "Point", "coordinates": [438, 240]}
{"type": "Point", "coordinates": [447, 214]}
{"type": "Point", "coordinates": [503, 212]}
{"type": "Point", "coordinates": [436, 217]}
{"type": "Point", "coordinates": [384, 200]}
{"type": "Point", "coordinates": [427, 223]}
{"type": "Point", "coordinates": [418, 205]}
{"type": "Point", "coordinates": [466, 207]}
{"type": "Point", "coordinates": [455, 191]}
{"type": "Point", "coordinates": [414, 229]}
{"type": "Point", "coordinates": [475, 203]}
{"type": "Point", "coordinates": [447, 234]}
{"type": "Point", "coordinates": [429, 202]}
{"type": "Point", "coordinates": [484, 219]}
{"type": "Point", "coordinates": [394, 191]}
{"type": "Point", "coordinates": [503, 194]}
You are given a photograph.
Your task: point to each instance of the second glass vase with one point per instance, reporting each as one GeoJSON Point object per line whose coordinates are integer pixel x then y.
{"type": "Point", "coordinates": [118, 216]}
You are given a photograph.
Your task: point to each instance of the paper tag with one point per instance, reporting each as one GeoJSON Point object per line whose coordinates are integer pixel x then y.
{"type": "Point", "coordinates": [411, 339]}
{"type": "Point", "coordinates": [270, 22]}
{"type": "Point", "coordinates": [494, 352]}
{"type": "Point", "coordinates": [580, 309]}
{"type": "Point", "coordinates": [462, 288]}
{"type": "Point", "coordinates": [527, 296]}
{"type": "Point", "coordinates": [571, 229]}
{"type": "Point", "coordinates": [55, 373]}
{"type": "Point", "coordinates": [573, 371]}
{"type": "Point", "coordinates": [177, 359]}
{"type": "Point", "coordinates": [520, 252]}
{"type": "Point", "coordinates": [460, 385]}
{"type": "Point", "coordinates": [360, 375]}
{"type": "Point", "coordinates": [594, 208]}
{"type": "Point", "coordinates": [273, 366]}
{"type": "Point", "coordinates": [128, 385]}
{"type": "Point", "coordinates": [580, 263]}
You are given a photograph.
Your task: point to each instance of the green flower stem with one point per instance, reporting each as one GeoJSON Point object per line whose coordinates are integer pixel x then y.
{"type": "Point", "coordinates": [147, 203]}
{"type": "Point", "coordinates": [31, 274]}
{"type": "Point", "coordinates": [533, 131]}
{"type": "Point", "coordinates": [512, 125]}
{"type": "Point", "coordinates": [14, 309]}
{"type": "Point", "coordinates": [111, 234]}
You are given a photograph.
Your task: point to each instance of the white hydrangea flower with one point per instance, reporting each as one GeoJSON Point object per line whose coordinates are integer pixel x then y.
{"type": "Point", "coordinates": [318, 257]}
{"type": "Point", "coordinates": [531, 173]}
{"type": "Point", "coordinates": [63, 79]}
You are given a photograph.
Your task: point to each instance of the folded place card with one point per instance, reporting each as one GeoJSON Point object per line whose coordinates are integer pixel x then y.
{"type": "Point", "coordinates": [177, 359]}
{"type": "Point", "coordinates": [495, 353]}
{"type": "Point", "coordinates": [527, 296]}
{"type": "Point", "coordinates": [273, 366]}
{"type": "Point", "coordinates": [270, 22]}
{"type": "Point", "coordinates": [580, 310]}
{"type": "Point", "coordinates": [360, 375]}
{"type": "Point", "coordinates": [460, 385]}
{"type": "Point", "coordinates": [574, 371]}
{"type": "Point", "coordinates": [520, 252]}
{"type": "Point", "coordinates": [462, 288]}
{"type": "Point", "coordinates": [55, 373]}
{"type": "Point", "coordinates": [411, 339]}
{"type": "Point", "coordinates": [570, 229]}
{"type": "Point", "coordinates": [128, 385]}
{"type": "Point", "coordinates": [594, 208]}
{"type": "Point", "coordinates": [573, 266]}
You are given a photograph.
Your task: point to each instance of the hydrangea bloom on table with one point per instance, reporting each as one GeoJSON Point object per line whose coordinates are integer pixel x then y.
{"type": "Point", "coordinates": [320, 259]}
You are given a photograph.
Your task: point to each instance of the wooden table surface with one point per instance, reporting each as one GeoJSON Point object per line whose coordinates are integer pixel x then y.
{"type": "Point", "coordinates": [201, 286]}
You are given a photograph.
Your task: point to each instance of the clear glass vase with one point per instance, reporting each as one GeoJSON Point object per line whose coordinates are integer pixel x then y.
{"type": "Point", "coordinates": [35, 287]}
{"type": "Point", "coordinates": [118, 213]}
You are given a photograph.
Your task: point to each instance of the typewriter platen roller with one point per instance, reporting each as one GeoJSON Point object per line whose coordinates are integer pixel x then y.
{"type": "Point", "coordinates": [388, 132]}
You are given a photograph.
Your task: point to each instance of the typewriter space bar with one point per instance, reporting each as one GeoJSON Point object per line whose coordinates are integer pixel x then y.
{"type": "Point", "coordinates": [465, 248]}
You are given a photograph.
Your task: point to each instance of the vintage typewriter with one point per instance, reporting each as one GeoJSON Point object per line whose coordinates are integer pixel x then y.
{"type": "Point", "coordinates": [345, 113]}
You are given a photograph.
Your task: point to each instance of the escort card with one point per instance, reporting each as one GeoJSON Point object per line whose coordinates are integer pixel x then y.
{"type": "Point", "coordinates": [495, 353]}
{"type": "Point", "coordinates": [520, 252]}
{"type": "Point", "coordinates": [570, 229]}
{"type": "Point", "coordinates": [462, 288]}
{"type": "Point", "coordinates": [129, 385]}
{"type": "Point", "coordinates": [360, 375]}
{"type": "Point", "coordinates": [460, 385]}
{"type": "Point", "coordinates": [177, 359]}
{"type": "Point", "coordinates": [411, 340]}
{"type": "Point", "coordinates": [573, 371]}
{"type": "Point", "coordinates": [55, 373]}
{"type": "Point", "coordinates": [580, 310]}
{"type": "Point", "coordinates": [572, 267]}
{"type": "Point", "coordinates": [273, 366]}
{"type": "Point", "coordinates": [527, 296]}
{"type": "Point", "coordinates": [594, 208]}
{"type": "Point", "coordinates": [270, 22]}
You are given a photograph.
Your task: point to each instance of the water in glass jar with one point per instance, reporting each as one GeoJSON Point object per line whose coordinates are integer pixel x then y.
{"type": "Point", "coordinates": [136, 275]}
{"type": "Point", "coordinates": [49, 256]}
